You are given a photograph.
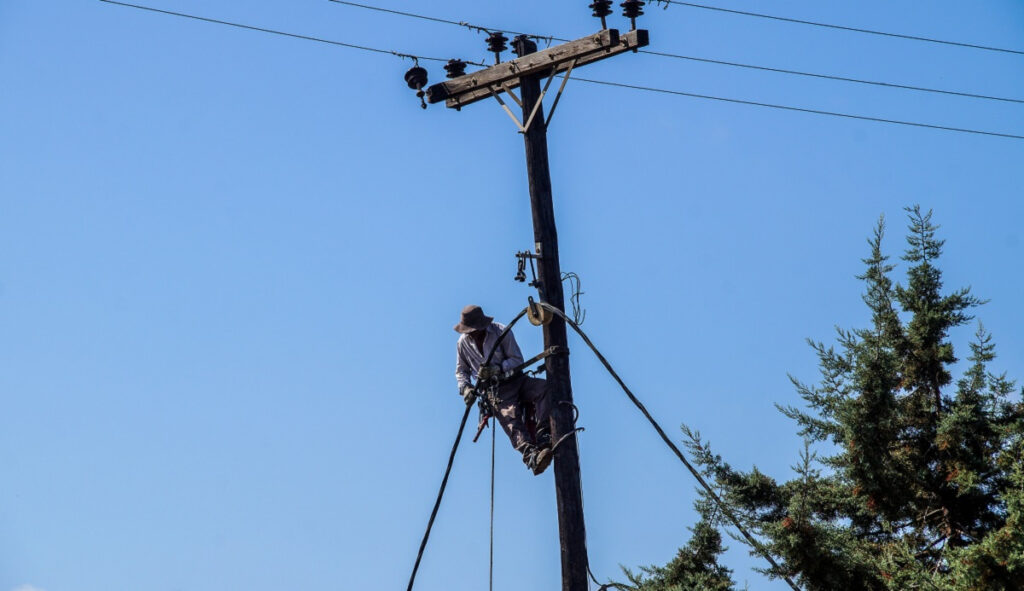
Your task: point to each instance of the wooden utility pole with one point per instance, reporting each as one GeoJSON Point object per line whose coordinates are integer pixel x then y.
{"type": "Point", "coordinates": [571, 530]}
{"type": "Point", "coordinates": [526, 73]}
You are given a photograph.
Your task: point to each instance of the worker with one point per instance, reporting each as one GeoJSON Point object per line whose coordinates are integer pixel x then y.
{"type": "Point", "coordinates": [479, 336]}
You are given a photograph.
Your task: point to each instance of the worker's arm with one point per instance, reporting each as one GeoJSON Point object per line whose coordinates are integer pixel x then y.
{"type": "Point", "coordinates": [513, 356]}
{"type": "Point", "coordinates": [463, 370]}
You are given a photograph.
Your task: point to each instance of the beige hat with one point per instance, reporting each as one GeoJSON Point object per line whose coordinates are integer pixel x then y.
{"type": "Point", "coordinates": [473, 318]}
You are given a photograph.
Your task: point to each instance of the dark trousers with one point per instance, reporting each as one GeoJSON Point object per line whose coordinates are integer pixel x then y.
{"type": "Point", "coordinates": [511, 412]}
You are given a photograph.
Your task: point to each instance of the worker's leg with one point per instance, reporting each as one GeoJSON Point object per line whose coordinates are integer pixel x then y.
{"type": "Point", "coordinates": [509, 407]}
{"type": "Point", "coordinates": [535, 391]}
{"type": "Point", "coordinates": [509, 413]}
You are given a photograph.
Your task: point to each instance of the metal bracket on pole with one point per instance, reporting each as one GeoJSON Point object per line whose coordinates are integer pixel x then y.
{"type": "Point", "coordinates": [558, 96]}
{"type": "Point", "coordinates": [540, 99]}
{"type": "Point", "coordinates": [508, 88]}
{"type": "Point", "coordinates": [508, 111]}
{"type": "Point", "coordinates": [523, 127]}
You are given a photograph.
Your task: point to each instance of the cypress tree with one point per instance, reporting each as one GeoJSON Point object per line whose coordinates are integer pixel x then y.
{"type": "Point", "coordinates": [696, 565]}
{"type": "Point", "coordinates": [923, 484]}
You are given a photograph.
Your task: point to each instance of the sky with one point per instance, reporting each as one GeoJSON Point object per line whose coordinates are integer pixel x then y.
{"type": "Point", "coordinates": [230, 263]}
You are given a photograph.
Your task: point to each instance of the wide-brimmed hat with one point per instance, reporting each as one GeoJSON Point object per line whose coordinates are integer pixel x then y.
{"type": "Point", "coordinates": [473, 318]}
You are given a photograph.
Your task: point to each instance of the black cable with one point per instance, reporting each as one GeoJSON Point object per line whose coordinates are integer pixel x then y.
{"type": "Point", "coordinates": [833, 77]}
{"type": "Point", "coordinates": [700, 59]}
{"type": "Point", "coordinates": [801, 109]}
{"type": "Point", "coordinates": [618, 84]}
{"type": "Point", "coordinates": [505, 331]}
{"type": "Point", "coordinates": [409, 14]}
{"type": "Point", "coordinates": [586, 546]}
{"type": "Point", "coordinates": [440, 494]}
{"type": "Point", "coordinates": [447, 21]}
{"type": "Point", "coordinates": [841, 27]}
{"type": "Point", "coordinates": [575, 287]}
{"type": "Point", "coordinates": [696, 474]}
{"type": "Point", "coordinates": [282, 33]}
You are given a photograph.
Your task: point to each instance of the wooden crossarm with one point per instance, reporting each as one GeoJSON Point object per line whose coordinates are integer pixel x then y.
{"type": "Point", "coordinates": [470, 88]}
{"type": "Point", "coordinates": [627, 42]}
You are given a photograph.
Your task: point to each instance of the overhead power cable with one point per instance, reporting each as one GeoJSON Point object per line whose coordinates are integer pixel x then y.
{"type": "Point", "coordinates": [591, 81]}
{"type": "Point", "coordinates": [836, 78]}
{"type": "Point", "coordinates": [692, 58]}
{"type": "Point", "coordinates": [435, 19]}
{"type": "Point", "coordinates": [283, 33]}
{"type": "Point", "coordinates": [841, 27]}
{"type": "Point", "coordinates": [799, 109]}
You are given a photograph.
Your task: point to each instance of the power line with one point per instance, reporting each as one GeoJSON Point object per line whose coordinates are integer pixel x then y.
{"type": "Point", "coordinates": [435, 19]}
{"type": "Point", "coordinates": [283, 33]}
{"type": "Point", "coordinates": [834, 77]}
{"type": "Point", "coordinates": [841, 27]}
{"type": "Point", "coordinates": [799, 109]}
{"type": "Point", "coordinates": [591, 81]}
{"type": "Point", "coordinates": [695, 59]}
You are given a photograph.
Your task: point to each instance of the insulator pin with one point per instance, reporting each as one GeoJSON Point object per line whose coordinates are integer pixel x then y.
{"type": "Point", "coordinates": [497, 43]}
{"type": "Point", "coordinates": [416, 78]}
{"type": "Point", "coordinates": [602, 8]}
{"type": "Point", "coordinates": [523, 45]}
{"type": "Point", "coordinates": [632, 9]}
{"type": "Point", "coordinates": [455, 68]}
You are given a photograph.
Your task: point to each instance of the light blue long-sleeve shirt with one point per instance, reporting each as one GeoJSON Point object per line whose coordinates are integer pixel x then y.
{"type": "Point", "coordinates": [468, 358]}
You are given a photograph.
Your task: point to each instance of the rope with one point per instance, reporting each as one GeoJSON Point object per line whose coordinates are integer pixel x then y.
{"type": "Point", "coordinates": [491, 575]}
{"type": "Point", "coordinates": [700, 479]}
{"type": "Point", "coordinates": [448, 470]}
{"type": "Point", "coordinates": [494, 431]}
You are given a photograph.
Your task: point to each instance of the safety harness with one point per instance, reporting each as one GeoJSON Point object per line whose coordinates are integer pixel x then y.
{"type": "Point", "coordinates": [487, 391]}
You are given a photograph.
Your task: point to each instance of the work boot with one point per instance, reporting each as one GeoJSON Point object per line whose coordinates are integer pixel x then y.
{"type": "Point", "coordinates": [537, 459]}
{"type": "Point", "coordinates": [542, 459]}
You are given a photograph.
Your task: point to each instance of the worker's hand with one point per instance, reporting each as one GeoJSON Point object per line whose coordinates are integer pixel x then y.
{"type": "Point", "coordinates": [468, 394]}
{"type": "Point", "coordinates": [489, 371]}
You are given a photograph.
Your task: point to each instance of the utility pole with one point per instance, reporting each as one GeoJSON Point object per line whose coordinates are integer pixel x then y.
{"type": "Point", "coordinates": [526, 73]}
{"type": "Point", "coordinates": [568, 492]}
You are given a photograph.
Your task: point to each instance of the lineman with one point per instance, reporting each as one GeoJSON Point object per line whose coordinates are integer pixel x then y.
{"type": "Point", "coordinates": [479, 334]}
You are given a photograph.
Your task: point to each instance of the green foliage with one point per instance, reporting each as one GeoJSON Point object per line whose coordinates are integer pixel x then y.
{"type": "Point", "coordinates": [695, 567]}
{"type": "Point", "coordinates": [924, 484]}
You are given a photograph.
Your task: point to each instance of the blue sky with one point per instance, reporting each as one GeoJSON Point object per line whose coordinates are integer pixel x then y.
{"type": "Point", "coordinates": [230, 263]}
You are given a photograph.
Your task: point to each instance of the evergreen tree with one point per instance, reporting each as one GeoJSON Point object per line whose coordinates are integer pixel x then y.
{"type": "Point", "coordinates": [695, 567]}
{"type": "Point", "coordinates": [924, 484]}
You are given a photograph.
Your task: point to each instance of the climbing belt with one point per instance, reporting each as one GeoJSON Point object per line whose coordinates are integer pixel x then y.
{"type": "Point", "coordinates": [488, 392]}
{"type": "Point", "coordinates": [636, 402]}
